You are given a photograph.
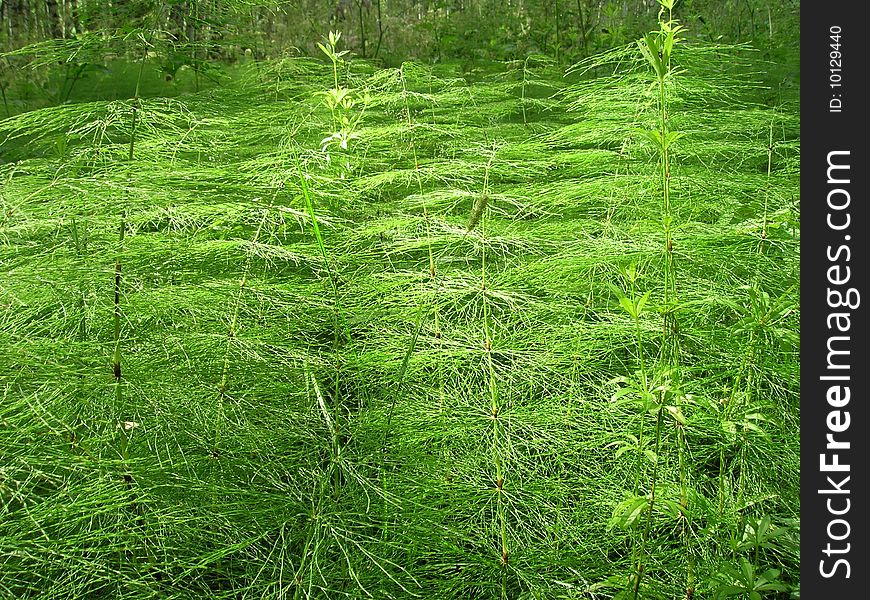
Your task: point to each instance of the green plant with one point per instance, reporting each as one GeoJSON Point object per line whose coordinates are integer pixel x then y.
{"type": "Point", "coordinates": [341, 101]}
{"type": "Point", "coordinates": [744, 581]}
{"type": "Point", "coordinates": [386, 381]}
{"type": "Point", "coordinates": [658, 396]}
{"type": "Point", "coordinates": [657, 48]}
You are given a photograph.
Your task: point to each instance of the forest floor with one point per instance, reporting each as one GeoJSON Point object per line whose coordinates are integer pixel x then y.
{"type": "Point", "coordinates": [398, 333]}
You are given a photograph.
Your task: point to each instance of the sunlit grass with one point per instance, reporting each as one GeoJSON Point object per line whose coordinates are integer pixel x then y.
{"type": "Point", "coordinates": [265, 361]}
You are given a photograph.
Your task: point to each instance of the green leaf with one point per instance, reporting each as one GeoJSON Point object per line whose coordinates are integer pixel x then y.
{"type": "Point", "coordinates": [747, 570]}
{"type": "Point", "coordinates": [617, 291]}
{"type": "Point", "coordinates": [653, 136]}
{"type": "Point", "coordinates": [628, 306]}
{"type": "Point", "coordinates": [621, 392]}
{"type": "Point", "coordinates": [669, 507]}
{"type": "Point", "coordinates": [650, 49]}
{"type": "Point", "coordinates": [673, 136]}
{"type": "Point", "coordinates": [677, 414]}
{"type": "Point", "coordinates": [629, 511]}
{"type": "Point", "coordinates": [642, 302]}
{"type": "Point", "coordinates": [728, 591]}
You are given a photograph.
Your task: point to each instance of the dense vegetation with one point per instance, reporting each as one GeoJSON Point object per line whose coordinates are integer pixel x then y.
{"type": "Point", "coordinates": [311, 325]}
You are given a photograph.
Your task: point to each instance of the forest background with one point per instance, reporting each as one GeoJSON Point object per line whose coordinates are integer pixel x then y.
{"type": "Point", "coordinates": [199, 35]}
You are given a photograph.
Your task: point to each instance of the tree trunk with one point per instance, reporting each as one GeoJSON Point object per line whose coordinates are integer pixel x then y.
{"type": "Point", "coordinates": [16, 21]}
{"type": "Point", "coordinates": [54, 25]}
{"type": "Point", "coordinates": [581, 23]}
{"type": "Point", "coordinates": [75, 24]}
{"type": "Point", "coordinates": [176, 18]}
{"type": "Point", "coordinates": [381, 29]}
{"type": "Point", "coordinates": [558, 26]}
{"type": "Point", "coordinates": [362, 28]}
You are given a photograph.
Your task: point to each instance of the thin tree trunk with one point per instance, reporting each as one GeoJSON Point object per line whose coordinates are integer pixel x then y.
{"type": "Point", "coordinates": [381, 29]}
{"type": "Point", "coordinates": [16, 19]}
{"type": "Point", "coordinates": [558, 25]}
{"type": "Point", "coordinates": [176, 18]}
{"type": "Point", "coordinates": [54, 28]}
{"type": "Point", "coordinates": [581, 18]}
{"type": "Point", "coordinates": [75, 24]}
{"type": "Point", "coordinates": [362, 27]}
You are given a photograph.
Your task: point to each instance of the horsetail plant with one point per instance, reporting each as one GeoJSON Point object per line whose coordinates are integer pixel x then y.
{"type": "Point", "coordinates": [116, 340]}
{"type": "Point", "coordinates": [499, 433]}
{"type": "Point", "coordinates": [452, 447]}
{"type": "Point", "coordinates": [126, 427]}
{"type": "Point", "coordinates": [424, 306]}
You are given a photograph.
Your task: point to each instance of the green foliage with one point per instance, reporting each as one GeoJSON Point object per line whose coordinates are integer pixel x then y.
{"type": "Point", "coordinates": [387, 375]}
{"type": "Point", "coordinates": [746, 583]}
{"type": "Point", "coordinates": [342, 102]}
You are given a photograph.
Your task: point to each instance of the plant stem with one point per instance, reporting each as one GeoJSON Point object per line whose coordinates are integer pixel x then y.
{"type": "Point", "coordinates": [338, 314]}
{"type": "Point", "coordinates": [652, 500]}
{"type": "Point", "coordinates": [495, 405]}
{"type": "Point", "coordinates": [116, 322]}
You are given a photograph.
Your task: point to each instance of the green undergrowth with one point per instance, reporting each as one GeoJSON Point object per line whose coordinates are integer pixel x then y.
{"type": "Point", "coordinates": [387, 370]}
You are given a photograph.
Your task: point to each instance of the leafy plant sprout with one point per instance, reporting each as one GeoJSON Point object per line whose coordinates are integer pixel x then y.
{"type": "Point", "coordinates": [340, 100]}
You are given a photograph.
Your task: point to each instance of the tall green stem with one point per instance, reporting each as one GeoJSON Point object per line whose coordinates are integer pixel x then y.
{"type": "Point", "coordinates": [651, 508]}
{"type": "Point", "coordinates": [495, 405]}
